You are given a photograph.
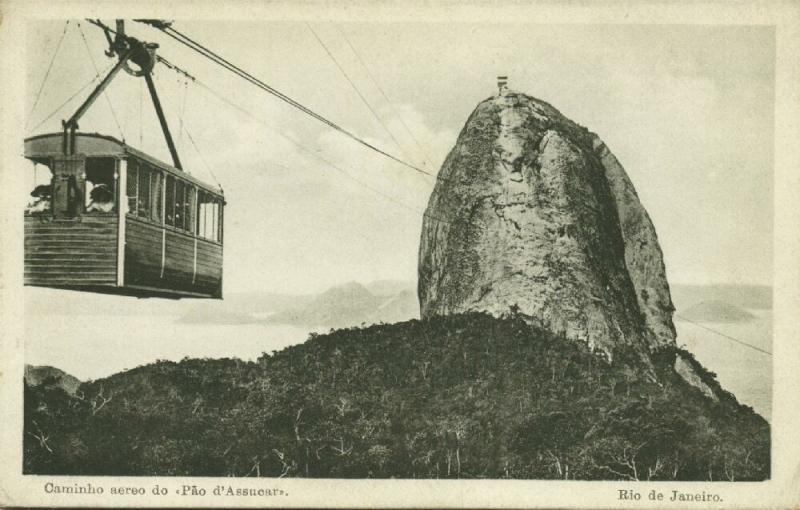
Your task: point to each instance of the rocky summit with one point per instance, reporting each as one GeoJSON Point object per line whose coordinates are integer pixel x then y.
{"type": "Point", "coordinates": [532, 213]}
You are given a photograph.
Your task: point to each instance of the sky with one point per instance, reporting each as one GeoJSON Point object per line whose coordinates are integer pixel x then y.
{"type": "Point", "coordinates": [688, 111]}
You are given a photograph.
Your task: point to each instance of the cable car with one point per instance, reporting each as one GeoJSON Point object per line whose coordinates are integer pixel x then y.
{"type": "Point", "coordinates": [113, 219]}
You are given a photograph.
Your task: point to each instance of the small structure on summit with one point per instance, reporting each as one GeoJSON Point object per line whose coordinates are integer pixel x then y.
{"type": "Point", "coordinates": [502, 85]}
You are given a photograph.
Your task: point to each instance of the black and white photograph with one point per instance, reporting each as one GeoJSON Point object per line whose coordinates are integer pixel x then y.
{"type": "Point", "coordinates": [255, 255]}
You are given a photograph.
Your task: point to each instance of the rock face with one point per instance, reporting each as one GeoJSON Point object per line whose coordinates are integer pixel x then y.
{"type": "Point", "coordinates": [532, 212]}
{"type": "Point", "coordinates": [643, 256]}
{"type": "Point", "coordinates": [37, 374]}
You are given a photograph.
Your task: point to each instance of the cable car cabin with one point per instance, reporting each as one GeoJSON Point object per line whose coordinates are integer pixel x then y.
{"type": "Point", "coordinates": [110, 218]}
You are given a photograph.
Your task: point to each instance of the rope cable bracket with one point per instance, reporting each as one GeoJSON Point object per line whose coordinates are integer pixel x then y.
{"type": "Point", "coordinates": [129, 49]}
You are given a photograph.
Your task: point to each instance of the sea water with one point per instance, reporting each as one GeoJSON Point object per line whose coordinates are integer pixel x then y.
{"type": "Point", "coordinates": [745, 372]}
{"type": "Point", "coordinates": [96, 346]}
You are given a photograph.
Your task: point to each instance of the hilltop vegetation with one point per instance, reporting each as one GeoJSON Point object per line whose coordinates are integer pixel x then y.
{"type": "Point", "coordinates": [465, 396]}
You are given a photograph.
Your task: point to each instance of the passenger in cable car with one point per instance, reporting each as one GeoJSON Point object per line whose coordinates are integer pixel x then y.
{"type": "Point", "coordinates": [178, 215]}
{"type": "Point", "coordinates": [99, 184]}
{"type": "Point", "coordinates": [42, 195]}
{"type": "Point", "coordinates": [102, 199]}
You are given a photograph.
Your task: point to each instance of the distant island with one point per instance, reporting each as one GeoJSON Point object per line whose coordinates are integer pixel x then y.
{"type": "Point", "coordinates": [716, 311]}
{"type": "Point", "coordinates": [746, 296]}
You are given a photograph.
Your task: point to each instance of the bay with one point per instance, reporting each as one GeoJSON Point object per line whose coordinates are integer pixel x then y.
{"type": "Point", "coordinates": [92, 346]}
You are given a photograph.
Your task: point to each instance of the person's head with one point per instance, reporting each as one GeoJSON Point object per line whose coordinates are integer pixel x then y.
{"type": "Point", "coordinates": [42, 191]}
{"type": "Point", "coordinates": [101, 193]}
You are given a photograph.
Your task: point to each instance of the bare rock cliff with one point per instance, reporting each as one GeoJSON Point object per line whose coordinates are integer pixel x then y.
{"type": "Point", "coordinates": [643, 256]}
{"type": "Point", "coordinates": [532, 213]}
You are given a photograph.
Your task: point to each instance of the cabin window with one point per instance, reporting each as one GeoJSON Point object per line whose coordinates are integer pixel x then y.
{"type": "Point", "coordinates": [219, 219]}
{"type": "Point", "coordinates": [190, 199]}
{"type": "Point", "coordinates": [100, 184]}
{"type": "Point", "coordinates": [40, 182]}
{"type": "Point", "coordinates": [180, 217]}
{"type": "Point", "coordinates": [208, 215]}
{"type": "Point", "coordinates": [156, 195]}
{"type": "Point", "coordinates": [143, 192]}
{"type": "Point", "coordinates": [132, 186]}
{"type": "Point", "coordinates": [169, 190]}
{"type": "Point", "coordinates": [201, 218]}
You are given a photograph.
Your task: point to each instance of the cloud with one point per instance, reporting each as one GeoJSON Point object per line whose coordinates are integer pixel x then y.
{"type": "Point", "coordinates": [314, 205]}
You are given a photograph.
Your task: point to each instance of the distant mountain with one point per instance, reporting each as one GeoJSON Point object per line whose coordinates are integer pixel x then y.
{"type": "Point", "coordinates": [36, 375]}
{"type": "Point", "coordinates": [400, 307]}
{"type": "Point", "coordinates": [354, 304]}
{"type": "Point", "coordinates": [758, 297]}
{"type": "Point", "coordinates": [345, 305]}
{"type": "Point", "coordinates": [716, 311]}
{"type": "Point", "coordinates": [386, 288]}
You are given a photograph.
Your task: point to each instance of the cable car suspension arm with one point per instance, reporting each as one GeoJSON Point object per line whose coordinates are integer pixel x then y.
{"type": "Point", "coordinates": [140, 53]}
{"type": "Point", "coordinates": [71, 125]}
{"type": "Point", "coordinates": [161, 119]}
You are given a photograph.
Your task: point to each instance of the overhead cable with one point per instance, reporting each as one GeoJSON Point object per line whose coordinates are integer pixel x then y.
{"type": "Point", "coordinates": [47, 73]}
{"type": "Point", "coordinates": [355, 87]}
{"type": "Point", "coordinates": [426, 156]}
{"type": "Point", "coordinates": [315, 154]}
{"type": "Point", "coordinates": [73, 96]}
{"type": "Point", "coordinates": [723, 335]}
{"type": "Point", "coordinates": [219, 60]}
{"type": "Point", "coordinates": [97, 71]}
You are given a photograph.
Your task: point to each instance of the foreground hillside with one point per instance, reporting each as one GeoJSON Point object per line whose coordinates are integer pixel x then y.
{"type": "Point", "coordinates": [465, 396]}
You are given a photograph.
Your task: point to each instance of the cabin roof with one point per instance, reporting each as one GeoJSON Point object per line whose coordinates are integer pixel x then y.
{"type": "Point", "coordinates": [97, 145]}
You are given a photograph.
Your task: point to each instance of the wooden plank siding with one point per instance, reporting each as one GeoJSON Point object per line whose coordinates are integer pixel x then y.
{"type": "Point", "coordinates": [209, 266]}
{"type": "Point", "coordinates": [179, 259]}
{"type": "Point", "coordinates": [143, 260]}
{"type": "Point", "coordinates": [71, 252]}
{"type": "Point", "coordinates": [120, 253]}
{"type": "Point", "coordinates": [142, 253]}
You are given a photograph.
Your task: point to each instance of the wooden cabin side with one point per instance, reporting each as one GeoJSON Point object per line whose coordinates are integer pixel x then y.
{"type": "Point", "coordinates": [68, 244]}
{"type": "Point", "coordinates": [71, 252]}
{"type": "Point", "coordinates": [169, 244]}
{"type": "Point", "coordinates": [163, 260]}
{"type": "Point", "coordinates": [162, 237]}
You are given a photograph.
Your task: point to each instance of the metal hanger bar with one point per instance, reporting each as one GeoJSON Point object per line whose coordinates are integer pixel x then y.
{"type": "Point", "coordinates": [176, 162]}
{"type": "Point", "coordinates": [73, 121]}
